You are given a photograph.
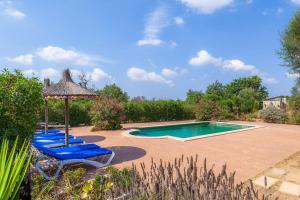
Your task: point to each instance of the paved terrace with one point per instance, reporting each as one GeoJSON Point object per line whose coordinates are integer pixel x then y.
{"type": "Point", "coordinates": [247, 152]}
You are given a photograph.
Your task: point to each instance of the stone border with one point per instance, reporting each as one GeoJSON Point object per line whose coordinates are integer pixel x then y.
{"type": "Point", "coordinates": [127, 133]}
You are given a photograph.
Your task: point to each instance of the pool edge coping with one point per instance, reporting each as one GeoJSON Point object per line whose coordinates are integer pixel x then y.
{"type": "Point", "coordinates": [127, 132]}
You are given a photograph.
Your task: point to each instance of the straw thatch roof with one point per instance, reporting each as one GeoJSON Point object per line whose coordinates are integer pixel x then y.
{"type": "Point", "coordinates": [66, 87]}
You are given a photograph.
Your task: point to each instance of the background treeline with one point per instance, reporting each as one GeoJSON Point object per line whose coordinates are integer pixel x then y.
{"type": "Point", "coordinates": [240, 99]}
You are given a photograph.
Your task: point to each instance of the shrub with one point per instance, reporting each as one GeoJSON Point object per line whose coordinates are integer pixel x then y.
{"type": "Point", "coordinates": [294, 108]}
{"type": "Point", "coordinates": [181, 179]}
{"type": "Point", "coordinates": [135, 111]}
{"type": "Point", "coordinates": [115, 92]}
{"type": "Point", "coordinates": [79, 111]}
{"type": "Point", "coordinates": [106, 114]}
{"type": "Point", "coordinates": [206, 109]}
{"type": "Point", "coordinates": [157, 110]}
{"type": "Point", "coordinates": [20, 101]}
{"type": "Point", "coordinates": [225, 110]}
{"type": "Point", "coordinates": [273, 115]}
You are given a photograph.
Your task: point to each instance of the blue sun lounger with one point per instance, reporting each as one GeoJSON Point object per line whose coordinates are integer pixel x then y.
{"type": "Point", "coordinates": [56, 143]}
{"type": "Point", "coordinates": [52, 137]}
{"type": "Point", "coordinates": [48, 134]}
{"type": "Point", "coordinates": [74, 154]}
{"type": "Point", "coordinates": [49, 131]}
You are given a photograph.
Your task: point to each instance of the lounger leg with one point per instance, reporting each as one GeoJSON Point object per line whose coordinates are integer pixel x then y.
{"type": "Point", "coordinates": [65, 162]}
{"type": "Point", "coordinates": [56, 174]}
{"type": "Point", "coordinates": [110, 158]}
{"type": "Point", "coordinates": [39, 168]}
{"type": "Point", "coordinates": [61, 165]}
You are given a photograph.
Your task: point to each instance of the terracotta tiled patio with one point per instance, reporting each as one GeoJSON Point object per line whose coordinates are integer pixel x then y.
{"type": "Point", "coordinates": [247, 152]}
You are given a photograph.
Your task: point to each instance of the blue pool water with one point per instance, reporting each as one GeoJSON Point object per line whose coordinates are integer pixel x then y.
{"type": "Point", "coordinates": [188, 130]}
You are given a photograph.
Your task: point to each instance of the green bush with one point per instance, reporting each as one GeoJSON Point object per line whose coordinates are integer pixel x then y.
{"type": "Point", "coordinates": [79, 111]}
{"type": "Point", "coordinates": [273, 115]}
{"type": "Point", "coordinates": [207, 109]}
{"type": "Point", "coordinates": [295, 119]}
{"type": "Point", "coordinates": [234, 100]}
{"type": "Point", "coordinates": [106, 114]}
{"type": "Point", "coordinates": [157, 110]}
{"type": "Point", "coordinates": [115, 92]}
{"type": "Point", "coordinates": [20, 101]}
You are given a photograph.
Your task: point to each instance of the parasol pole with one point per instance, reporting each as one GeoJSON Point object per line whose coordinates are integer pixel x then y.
{"type": "Point", "coordinates": [46, 116]}
{"type": "Point", "coordinates": [67, 120]}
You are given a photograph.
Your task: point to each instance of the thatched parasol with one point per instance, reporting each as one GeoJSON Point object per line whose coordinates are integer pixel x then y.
{"type": "Point", "coordinates": [65, 89]}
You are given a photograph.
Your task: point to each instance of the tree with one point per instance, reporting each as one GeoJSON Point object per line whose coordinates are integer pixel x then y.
{"type": "Point", "coordinates": [84, 80]}
{"type": "Point", "coordinates": [247, 100]}
{"type": "Point", "coordinates": [290, 44]}
{"type": "Point", "coordinates": [254, 82]}
{"type": "Point", "coordinates": [139, 98]}
{"type": "Point", "coordinates": [193, 96]}
{"type": "Point", "coordinates": [215, 88]}
{"type": "Point", "coordinates": [114, 91]}
{"type": "Point", "coordinates": [296, 89]}
{"type": "Point", "coordinates": [20, 102]}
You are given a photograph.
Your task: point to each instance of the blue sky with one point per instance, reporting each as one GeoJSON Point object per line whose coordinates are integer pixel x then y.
{"type": "Point", "coordinates": [152, 48]}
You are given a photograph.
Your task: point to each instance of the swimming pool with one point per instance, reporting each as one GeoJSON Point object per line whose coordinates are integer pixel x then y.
{"type": "Point", "coordinates": [189, 131]}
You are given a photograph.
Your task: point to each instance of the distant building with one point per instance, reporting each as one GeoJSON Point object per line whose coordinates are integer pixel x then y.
{"type": "Point", "coordinates": [277, 102]}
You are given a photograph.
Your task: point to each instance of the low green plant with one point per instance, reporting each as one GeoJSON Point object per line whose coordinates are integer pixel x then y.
{"type": "Point", "coordinates": [70, 185]}
{"type": "Point", "coordinates": [182, 179]}
{"type": "Point", "coordinates": [274, 115]}
{"type": "Point", "coordinates": [13, 167]}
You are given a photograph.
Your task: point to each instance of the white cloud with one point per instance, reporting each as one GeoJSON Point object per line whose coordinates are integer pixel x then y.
{"type": "Point", "coordinates": [43, 73]}
{"type": "Point", "coordinates": [12, 12]}
{"type": "Point", "coordinates": [155, 22]}
{"type": "Point", "coordinates": [58, 54]}
{"type": "Point", "coordinates": [269, 80]}
{"type": "Point", "coordinates": [49, 73]}
{"type": "Point", "coordinates": [173, 44]}
{"type": "Point", "coordinates": [26, 59]}
{"type": "Point", "coordinates": [237, 65]}
{"type": "Point", "coordinates": [178, 20]}
{"type": "Point", "coordinates": [249, 1]}
{"type": "Point", "coordinates": [203, 58]}
{"type": "Point", "coordinates": [172, 73]}
{"type": "Point", "coordinates": [149, 41]}
{"type": "Point", "coordinates": [30, 72]}
{"type": "Point", "coordinates": [138, 74]}
{"type": "Point", "coordinates": [169, 73]}
{"type": "Point", "coordinates": [207, 6]}
{"type": "Point", "coordinates": [292, 75]}
{"type": "Point", "coordinates": [96, 75]}
{"type": "Point", "coordinates": [279, 11]}
{"type": "Point", "coordinates": [182, 71]}
{"type": "Point", "coordinates": [297, 2]}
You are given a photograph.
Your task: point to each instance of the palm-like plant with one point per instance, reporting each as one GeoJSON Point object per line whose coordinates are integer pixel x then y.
{"type": "Point", "coordinates": [13, 167]}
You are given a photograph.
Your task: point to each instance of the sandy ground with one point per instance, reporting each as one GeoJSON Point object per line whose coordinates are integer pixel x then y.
{"type": "Point", "coordinates": [247, 152]}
